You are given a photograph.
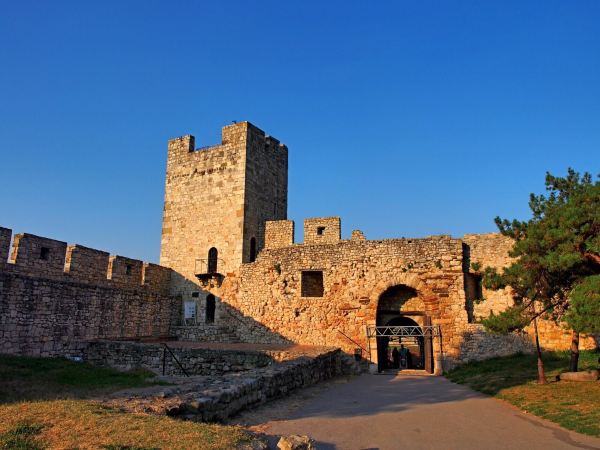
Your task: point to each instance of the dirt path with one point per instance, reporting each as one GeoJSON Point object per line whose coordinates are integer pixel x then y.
{"type": "Point", "coordinates": [387, 412]}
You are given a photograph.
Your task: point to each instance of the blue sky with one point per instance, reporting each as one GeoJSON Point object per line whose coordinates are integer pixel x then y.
{"type": "Point", "coordinates": [404, 118]}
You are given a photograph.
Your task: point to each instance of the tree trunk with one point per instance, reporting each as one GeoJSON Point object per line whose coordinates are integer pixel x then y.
{"type": "Point", "coordinates": [540, 362]}
{"type": "Point", "coordinates": [574, 361]}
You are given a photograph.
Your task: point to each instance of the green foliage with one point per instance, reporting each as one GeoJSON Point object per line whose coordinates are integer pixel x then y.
{"type": "Point", "coordinates": [29, 377]}
{"type": "Point", "coordinates": [512, 319]}
{"type": "Point", "coordinates": [476, 266]}
{"type": "Point", "coordinates": [584, 310]}
{"type": "Point", "coordinates": [492, 279]}
{"type": "Point", "coordinates": [512, 378]}
{"type": "Point", "coordinates": [555, 250]}
{"type": "Point", "coordinates": [23, 437]}
{"type": "Point", "coordinates": [438, 264]}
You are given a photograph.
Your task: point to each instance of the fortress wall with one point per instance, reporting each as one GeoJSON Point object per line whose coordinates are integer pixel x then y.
{"type": "Point", "coordinates": [5, 237]}
{"type": "Point", "coordinates": [36, 255]}
{"type": "Point", "coordinates": [491, 250]}
{"type": "Point", "coordinates": [268, 293]}
{"type": "Point", "coordinates": [157, 278]}
{"type": "Point", "coordinates": [52, 301]}
{"type": "Point", "coordinates": [125, 271]}
{"type": "Point", "coordinates": [204, 202]}
{"type": "Point", "coordinates": [322, 230]}
{"type": "Point", "coordinates": [86, 264]}
{"type": "Point", "coordinates": [279, 233]}
{"type": "Point", "coordinates": [265, 192]}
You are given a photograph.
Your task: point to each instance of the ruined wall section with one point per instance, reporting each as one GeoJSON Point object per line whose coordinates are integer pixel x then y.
{"type": "Point", "coordinates": [266, 187]}
{"type": "Point", "coordinates": [204, 203]}
{"type": "Point", "coordinates": [492, 250]}
{"type": "Point", "coordinates": [268, 293]}
{"type": "Point", "coordinates": [54, 297]}
{"type": "Point", "coordinates": [279, 233]}
{"type": "Point", "coordinates": [322, 230]}
{"type": "Point", "coordinates": [488, 250]}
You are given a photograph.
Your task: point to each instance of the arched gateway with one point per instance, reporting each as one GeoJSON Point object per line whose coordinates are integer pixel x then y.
{"type": "Point", "coordinates": [403, 334]}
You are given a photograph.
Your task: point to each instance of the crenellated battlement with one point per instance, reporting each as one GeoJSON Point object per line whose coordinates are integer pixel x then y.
{"type": "Point", "coordinates": [42, 257]}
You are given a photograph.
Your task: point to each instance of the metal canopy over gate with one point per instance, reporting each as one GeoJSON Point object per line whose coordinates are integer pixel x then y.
{"type": "Point", "coordinates": [403, 331]}
{"type": "Point", "coordinates": [427, 333]}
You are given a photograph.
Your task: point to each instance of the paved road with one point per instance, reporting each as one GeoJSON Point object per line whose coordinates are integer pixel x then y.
{"type": "Point", "coordinates": [387, 412]}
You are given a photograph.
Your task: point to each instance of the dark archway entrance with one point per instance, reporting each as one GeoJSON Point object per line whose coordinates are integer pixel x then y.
{"type": "Point", "coordinates": [401, 352]}
{"type": "Point", "coordinates": [401, 322]}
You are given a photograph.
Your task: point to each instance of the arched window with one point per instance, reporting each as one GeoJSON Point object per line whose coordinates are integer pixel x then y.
{"type": "Point", "coordinates": [212, 260]}
{"type": "Point", "coordinates": [210, 308]}
{"type": "Point", "coordinates": [252, 249]}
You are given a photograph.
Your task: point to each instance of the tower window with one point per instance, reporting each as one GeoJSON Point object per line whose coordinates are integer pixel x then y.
{"type": "Point", "coordinates": [45, 253]}
{"type": "Point", "coordinates": [210, 308]}
{"type": "Point", "coordinates": [128, 269]}
{"type": "Point", "coordinates": [320, 231]}
{"type": "Point", "coordinates": [212, 260]}
{"type": "Point", "coordinates": [312, 283]}
{"type": "Point", "coordinates": [252, 250]}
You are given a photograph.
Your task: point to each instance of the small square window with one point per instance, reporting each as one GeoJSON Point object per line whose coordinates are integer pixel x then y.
{"type": "Point", "coordinates": [45, 253]}
{"type": "Point", "coordinates": [312, 283]}
{"type": "Point", "coordinates": [320, 231]}
{"type": "Point", "coordinates": [128, 269]}
{"type": "Point", "coordinates": [195, 294]}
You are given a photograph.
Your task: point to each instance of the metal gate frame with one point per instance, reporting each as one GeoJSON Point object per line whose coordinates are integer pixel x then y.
{"type": "Point", "coordinates": [427, 331]}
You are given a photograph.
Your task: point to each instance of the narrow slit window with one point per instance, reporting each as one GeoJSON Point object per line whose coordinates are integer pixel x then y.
{"type": "Point", "coordinates": [128, 269]}
{"type": "Point", "coordinates": [252, 249]}
{"type": "Point", "coordinates": [44, 253]}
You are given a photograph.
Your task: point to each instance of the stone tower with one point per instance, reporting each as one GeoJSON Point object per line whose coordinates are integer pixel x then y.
{"type": "Point", "coordinates": [218, 198]}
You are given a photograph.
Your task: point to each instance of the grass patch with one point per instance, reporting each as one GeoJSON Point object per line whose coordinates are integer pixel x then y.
{"type": "Point", "coordinates": [28, 378]}
{"type": "Point", "coordinates": [573, 405]}
{"type": "Point", "coordinates": [86, 424]}
{"type": "Point", "coordinates": [23, 436]}
{"type": "Point", "coordinates": [45, 404]}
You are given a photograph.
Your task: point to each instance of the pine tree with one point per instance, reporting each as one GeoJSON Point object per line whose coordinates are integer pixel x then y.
{"type": "Point", "coordinates": [557, 261]}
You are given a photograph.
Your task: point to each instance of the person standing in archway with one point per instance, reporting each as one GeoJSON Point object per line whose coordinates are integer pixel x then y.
{"type": "Point", "coordinates": [396, 358]}
{"type": "Point", "coordinates": [404, 353]}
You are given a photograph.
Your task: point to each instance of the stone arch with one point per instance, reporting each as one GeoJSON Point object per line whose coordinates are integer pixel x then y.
{"type": "Point", "coordinates": [410, 280]}
{"type": "Point", "coordinates": [421, 308]}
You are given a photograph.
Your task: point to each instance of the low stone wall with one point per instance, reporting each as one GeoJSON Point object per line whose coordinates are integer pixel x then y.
{"type": "Point", "coordinates": [196, 361]}
{"type": "Point", "coordinates": [478, 345]}
{"type": "Point", "coordinates": [204, 333]}
{"type": "Point", "coordinates": [215, 399]}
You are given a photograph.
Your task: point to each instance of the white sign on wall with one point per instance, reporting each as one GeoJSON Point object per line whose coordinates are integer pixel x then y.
{"type": "Point", "coordinates": [189, 310]}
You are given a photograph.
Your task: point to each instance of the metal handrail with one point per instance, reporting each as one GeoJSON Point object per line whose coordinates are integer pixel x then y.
{"type": "Point", "coordinates": [167, 348]}
{"type": "Point", "coordinates": [201, 266]}
{"type": "Point", "coordinates": [352, 340]}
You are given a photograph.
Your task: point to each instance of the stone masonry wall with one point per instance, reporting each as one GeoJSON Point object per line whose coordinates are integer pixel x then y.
{"type": "Point", "coordinates": [279, 233]}
{"type": "Point", "coordinates": [51, 304]}
{"type": "Point", "coordinates": [195, 361]}
{"type": "Point", "coordinates": [204, 203]}
{"type": "Point", "coordinates": [220, 197]}
{"type": "Point", "coordinates": [217, 399]}
{"type": "Point", "coordinates": [322, 230]}
{"type": "Point", "coordinates": [267, 293]}
{"type": "Point", "coordinates": [491, 250]}
{"type": "Point", "coordinates": [265, 193]}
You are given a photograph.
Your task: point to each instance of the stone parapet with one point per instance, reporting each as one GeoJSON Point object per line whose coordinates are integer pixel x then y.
{"type": "Point", "coordinates": [41, 257]}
